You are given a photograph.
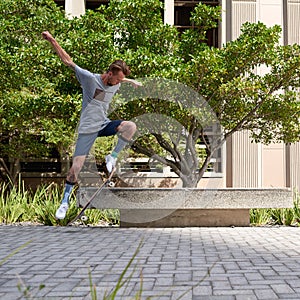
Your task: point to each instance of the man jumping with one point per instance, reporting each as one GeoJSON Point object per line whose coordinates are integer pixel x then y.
{"type": "Point", "coordinates": [97, 93]}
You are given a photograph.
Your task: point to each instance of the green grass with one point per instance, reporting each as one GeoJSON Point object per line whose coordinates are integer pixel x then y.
{"type": "Point", "coordinates": [277, 216]}
{"type": "Point", "coordinates": [18, 205]}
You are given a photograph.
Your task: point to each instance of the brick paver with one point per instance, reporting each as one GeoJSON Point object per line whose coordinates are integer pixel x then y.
{"type": "Point", "coordinates": [195, 263]}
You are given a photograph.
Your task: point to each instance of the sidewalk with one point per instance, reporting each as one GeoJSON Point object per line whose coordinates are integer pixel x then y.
{"type": "Point", "coordinates": [205, 263]}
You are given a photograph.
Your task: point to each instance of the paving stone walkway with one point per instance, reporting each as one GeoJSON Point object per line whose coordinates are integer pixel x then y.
{"type": "Point", "coordinates": [195, 263]}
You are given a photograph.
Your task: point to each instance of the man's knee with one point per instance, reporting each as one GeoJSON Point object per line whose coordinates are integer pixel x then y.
{"type": "Point", "coordinates": [127, 128]}
{"type": "Point", "coordinates": [131, 126]}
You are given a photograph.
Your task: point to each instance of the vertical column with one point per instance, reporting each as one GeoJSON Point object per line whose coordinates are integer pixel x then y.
{"type": "Point", "coordinates": [228, 165]}
{"type": "Point", "coordinates": [243, 167]}
{"type": "Point", "coordinates": [242, 11]}
{"type": "Point", "coordinates": [292, 21]}
{"type": "Point", "coordinates": [294, 166]}
{"type": "Point", "coordinates": [74, 8]}
{"type": "Point", "coordinates": [292, 36]}
{"type": "Point", "coordinates": [245, 162]}
{"type": "Point", "coordinates": [169, 12]}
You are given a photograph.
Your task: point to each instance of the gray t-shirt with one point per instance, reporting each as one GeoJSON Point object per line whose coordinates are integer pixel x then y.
{"type": "Point", "coordinates": [96, 97]}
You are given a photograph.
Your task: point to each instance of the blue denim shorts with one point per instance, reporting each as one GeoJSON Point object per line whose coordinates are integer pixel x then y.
{"type": "Point", "coordinates": [85, 141]}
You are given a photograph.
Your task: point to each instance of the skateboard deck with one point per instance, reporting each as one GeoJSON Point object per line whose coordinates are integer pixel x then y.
{"type": "Point", "coordinates": [107, 182]}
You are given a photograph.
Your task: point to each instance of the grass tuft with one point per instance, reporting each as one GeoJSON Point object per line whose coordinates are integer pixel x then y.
{"type": "Point", "coordinates": [18, 205]}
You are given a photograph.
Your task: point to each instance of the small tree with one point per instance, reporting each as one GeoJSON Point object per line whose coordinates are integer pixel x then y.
{"type": "Point", "coordinates": [239, 97]}
{"type": "Point", "coordinates": [41, 97]}
{"type": "Point", "coordinates": [30, 124]}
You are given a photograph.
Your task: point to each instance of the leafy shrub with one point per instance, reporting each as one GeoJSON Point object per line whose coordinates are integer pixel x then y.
{"type": "Point", "coordinates": [20, 205]}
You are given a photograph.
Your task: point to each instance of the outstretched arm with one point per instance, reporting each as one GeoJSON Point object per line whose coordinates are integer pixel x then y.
{"type": "Point", "coordinates": [63, 55]}
{"type": "Point", "coordinates": [135, 83]}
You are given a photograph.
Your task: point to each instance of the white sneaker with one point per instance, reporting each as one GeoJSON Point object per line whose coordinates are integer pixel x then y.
{"type": "Point", "coordinates": [110, 162]}
{"type": "Point", "coordinates": [61, 212]}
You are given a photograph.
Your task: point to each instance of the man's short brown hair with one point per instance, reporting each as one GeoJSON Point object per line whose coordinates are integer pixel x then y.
{"type": "Point", "coordinates": [119, 65]}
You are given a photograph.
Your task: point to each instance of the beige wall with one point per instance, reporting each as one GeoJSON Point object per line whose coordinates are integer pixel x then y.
{"type": "Point", "coordinates": [169, 12]}
{"type": "Point", "coordinates": [255, 165]}
{"type": "Point", "coordinates": [74, 8]}
{"type": "Point", "coordinates": [273, 165]}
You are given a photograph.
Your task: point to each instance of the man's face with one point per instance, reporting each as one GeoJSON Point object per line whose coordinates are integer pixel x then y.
{"type": "Point", "coordinates": [116, 78]}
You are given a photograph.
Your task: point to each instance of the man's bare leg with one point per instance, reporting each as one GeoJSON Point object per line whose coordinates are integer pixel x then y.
{"type": "Point", "coordinates": [77, 164]}
{"type": "Point", "coordinates": [72, 177]}
{"type": "Point", "coordinates": [126, 131]}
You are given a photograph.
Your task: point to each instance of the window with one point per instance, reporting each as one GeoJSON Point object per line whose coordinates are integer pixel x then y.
{"type": "Point", "coordinates": [182, 11]}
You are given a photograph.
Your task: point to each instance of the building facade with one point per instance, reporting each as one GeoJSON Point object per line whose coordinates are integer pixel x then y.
{"type": "Point", "coordinates": [257, 165]}
{"type": "Point", "coordinates": [245, 164]}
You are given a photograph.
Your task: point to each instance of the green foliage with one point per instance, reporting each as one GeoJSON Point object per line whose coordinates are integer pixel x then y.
{"type": "Point", "coordinates": [142, 39]}
{"type": "Point", "coordinates": [297, 208]}
{"type": "Point", "coordinates": [21, 24]}
{"type": "Point", "coordinates": [36, 117]}
{"type": "Point", "coordinates": [138, 24]}
{"type": "Point", "coordinates": [20, 205]}
{"type": "Point", "coordinates": [278, 216]}
{"type": "Point", "coordinates": [36, 134]}
{"type": "Point", "coordinates": [259, 216]}
{"type": "Point", "coordinates": [13, 205]}
{"type": "Point", "coordinates": [108, 216]}
{"type": "Point", "coordinates": [203, 18]}
{"type": "Point", "coordinates": [241, 97]}
{"type": "Point", "coordinates": [40, 98]}
{"type": "Point", "coordinates": [89, 40]}
{"type": "Point", "coordinates": [45, 202]}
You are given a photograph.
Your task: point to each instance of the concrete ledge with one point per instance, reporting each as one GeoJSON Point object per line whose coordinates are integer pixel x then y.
{"type": "Point", "coordinates": [132, 198]}
{"type": "Point", "coordinates": [161, 207]}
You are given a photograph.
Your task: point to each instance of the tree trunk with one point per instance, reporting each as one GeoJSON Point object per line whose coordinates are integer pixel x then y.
{"type": "Point", "coordinates": [15, 169]}
{"type": "Point", "coordinates": [189, 182]}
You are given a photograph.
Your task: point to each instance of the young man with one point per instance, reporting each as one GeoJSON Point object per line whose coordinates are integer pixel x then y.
{"type": "Point", "coordinates": [97, 93]}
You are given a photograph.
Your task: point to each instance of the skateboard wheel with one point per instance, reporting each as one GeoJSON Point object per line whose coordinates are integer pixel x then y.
{"type": "Point", "coordinates": [84, 218]}
{"type": "Point", "coordinates": [111, 184]}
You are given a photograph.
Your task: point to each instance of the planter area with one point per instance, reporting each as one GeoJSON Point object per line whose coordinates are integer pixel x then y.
{"type": "Point", "coordinates": [161, 207]}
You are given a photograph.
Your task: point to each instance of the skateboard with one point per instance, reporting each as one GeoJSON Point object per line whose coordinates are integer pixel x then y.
{"type": "Point", "coordinates": [108, 183]}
